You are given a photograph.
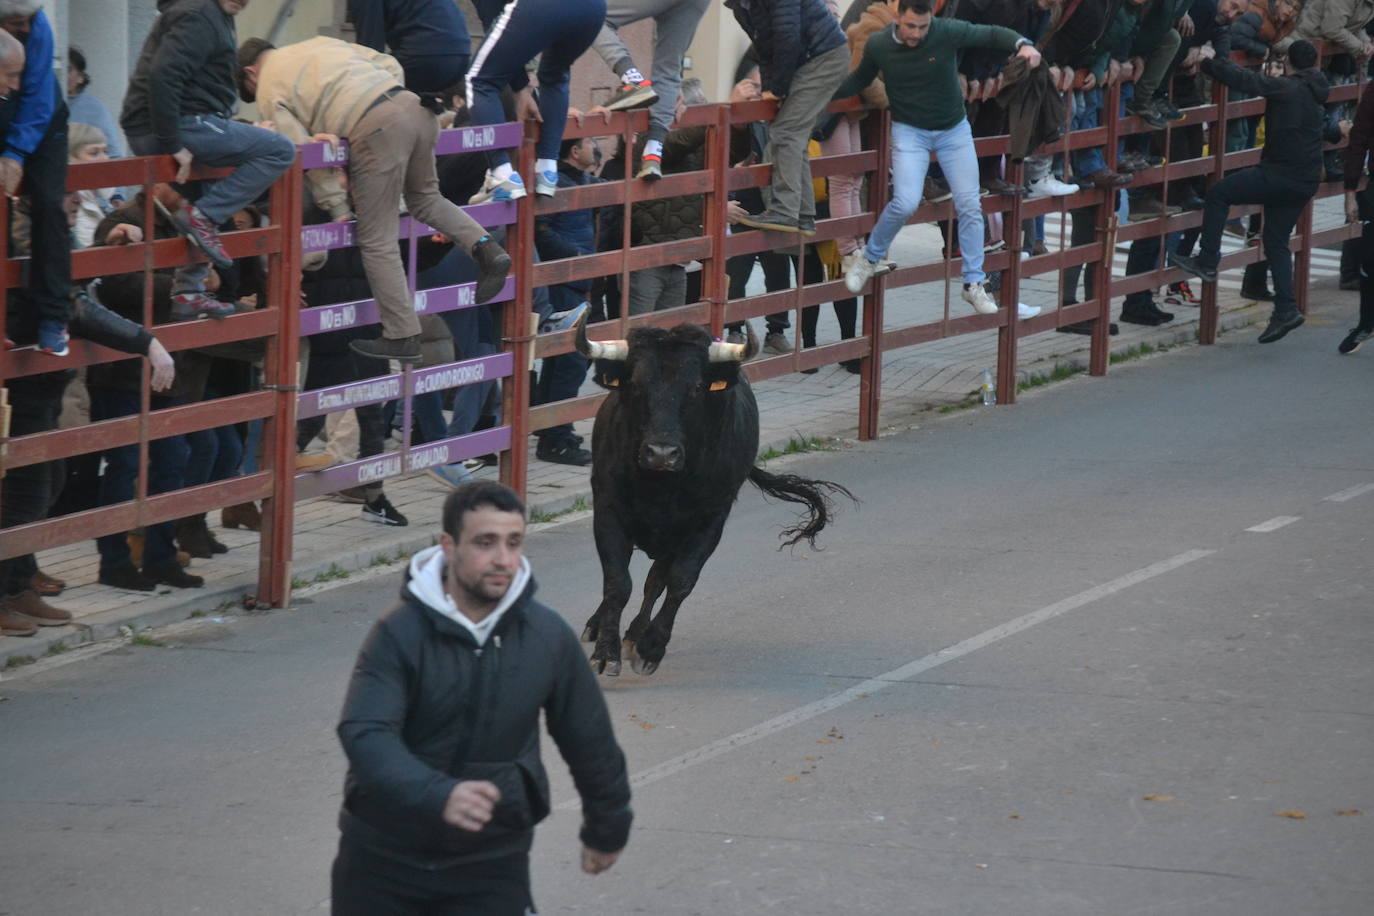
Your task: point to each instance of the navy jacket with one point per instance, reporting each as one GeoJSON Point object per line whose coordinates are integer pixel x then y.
{"type": "Point", "coordinates": [408, 29]}
{"type": "Point", "coordinates": [786, 34]}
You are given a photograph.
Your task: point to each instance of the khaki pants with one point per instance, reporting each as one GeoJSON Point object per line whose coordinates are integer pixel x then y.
{"type": "Point", "coordinates": [391, 153]}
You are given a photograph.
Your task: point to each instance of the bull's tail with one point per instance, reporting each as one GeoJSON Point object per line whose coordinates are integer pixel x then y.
{"type": "Point", "coordinates": [814, 494]}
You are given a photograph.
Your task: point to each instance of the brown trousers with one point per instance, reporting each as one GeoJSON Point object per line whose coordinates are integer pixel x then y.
{"type": "Point", "coordinates": [391, 153]}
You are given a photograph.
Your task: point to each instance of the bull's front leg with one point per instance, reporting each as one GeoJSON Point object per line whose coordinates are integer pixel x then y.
{"type": "Point", "coordinates": [603, 627]}
{"type": "Point", "coordinates": [651, 642]}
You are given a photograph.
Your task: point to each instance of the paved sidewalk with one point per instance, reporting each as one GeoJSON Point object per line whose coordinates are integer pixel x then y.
{"type": "Point", "coordinates": [332, 539]}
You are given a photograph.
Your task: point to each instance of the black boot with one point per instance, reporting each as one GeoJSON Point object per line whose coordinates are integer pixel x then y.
{"type": "Point", "coordinates": [1254, 283]}
{"type": "Point", "coordinates": [194, 538]}
{"type": "Point", "coordinates": [493, 265]}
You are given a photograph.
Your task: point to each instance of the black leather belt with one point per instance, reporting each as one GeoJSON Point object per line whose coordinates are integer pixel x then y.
{"type": "Point", "coordinates": [389, 94]}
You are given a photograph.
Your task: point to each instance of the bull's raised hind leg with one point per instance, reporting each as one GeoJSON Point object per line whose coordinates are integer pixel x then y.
{"type": "Point", "coordinates": [604, 626]}
{"type": "Point", "coordinates": [651, 643]}
{"type": "Point", "coordinates": [654, 583]}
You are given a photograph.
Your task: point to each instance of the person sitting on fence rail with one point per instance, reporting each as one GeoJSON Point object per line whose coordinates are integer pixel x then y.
{"type": "Point", "coordinates": [675, 25]}
{"type": "Point", "coordinates": [29, 491]}
{"type": "Point", "coordinates": [1359, 208]}
{"type": "Point", "coordinates": [918, 59]}
{"type": "Point", "coordinates": [180, 103]}
{"type": "Point", "coordinates": [1285, 180]}
{"type": "Point", "coordinates": [802, 57]}
{"type": "Point", "coordinates": [33, 123]}
{"type": "Point", "coordinates": [323, 88]}
{"type": "Point", "coordinates": [555, 31]}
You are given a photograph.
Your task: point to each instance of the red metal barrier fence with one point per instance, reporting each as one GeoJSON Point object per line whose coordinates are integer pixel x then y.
{"type": "Point", "coordinates": [281, 323]}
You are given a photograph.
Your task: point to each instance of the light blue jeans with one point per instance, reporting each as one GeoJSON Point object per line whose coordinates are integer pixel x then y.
{"type": "Point", "coordinates": [911, 149]}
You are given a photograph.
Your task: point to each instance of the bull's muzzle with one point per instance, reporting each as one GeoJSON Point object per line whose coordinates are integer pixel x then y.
{"type": "Point", "coordinates": [655, 456]}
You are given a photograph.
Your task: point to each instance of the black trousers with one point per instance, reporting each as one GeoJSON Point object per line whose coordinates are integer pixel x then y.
{"type": "Point", "coordinates": [49, 279]}
{"type": "Point", "coordinates": [1283, 199]}
{"type": "Point", "coordinates": [777, 275]}
{"type": "Point", "coordinates": [1366, 252]}
{"type": "Point", "coordinates": [27, 492]}
{"type": "Point", "coordinates": [366, 884]}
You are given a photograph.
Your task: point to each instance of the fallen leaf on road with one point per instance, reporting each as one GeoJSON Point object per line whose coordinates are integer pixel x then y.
{"type": "Point", "coordinates": [1014, 817]}
{"type": "Point", "coordinates": [791, 779]}
{"type": "Point", "coordinates": [1293, 813]}
{"type": "Point", "coordinates": [1158, 798]}
{"type": "Point", "coordinates": [1348, 812]}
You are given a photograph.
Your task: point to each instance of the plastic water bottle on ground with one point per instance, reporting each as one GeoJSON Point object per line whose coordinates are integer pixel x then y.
{"type": "Point", "coordinates": [989, 389]}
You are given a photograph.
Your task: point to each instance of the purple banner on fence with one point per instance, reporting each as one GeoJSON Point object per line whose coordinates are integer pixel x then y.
{"type": "Point", "coordinates": [389, 387]}
{"type": "Point", "coordinates": [458, 140]}
{"type": "Point", "coordinates": [394, 464]}
{"type": "Point", "coordinates": [427, 302]}
{"type": "Point", "coordinates": [328, 236]}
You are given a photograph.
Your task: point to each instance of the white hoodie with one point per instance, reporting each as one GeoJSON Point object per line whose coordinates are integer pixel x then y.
{"type": "Point", "coordinates": [427, 585]}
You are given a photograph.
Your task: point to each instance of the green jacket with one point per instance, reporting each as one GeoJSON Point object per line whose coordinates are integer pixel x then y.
{"type": "Point", "coordinates": [1136, 29]}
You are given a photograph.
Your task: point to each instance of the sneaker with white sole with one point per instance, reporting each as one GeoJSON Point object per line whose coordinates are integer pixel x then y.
{"type": "Point", "coordinates": [450, 475]}
{"type": "Point", "coordinates": [1049, 186]}
{"type": "Point", "coordinates": [546, 183]}
{"type": "Point", "coordinates": [381, 510]}
{"type": "Point", "coordinates": [629, 97]}
{"type": "Point", "coordinates": [497, 190]}
{"type": "Point", "coordinates": [976, 295]}
{"type": "Point", "coordinates": [859, 272]}
{"type": "Point", "coordinates": [1024, 311]}
{"type": "Point", "coordinates": [561, 321]}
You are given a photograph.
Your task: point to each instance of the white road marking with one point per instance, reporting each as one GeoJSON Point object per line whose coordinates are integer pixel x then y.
{"type": "Point", "coordinates": [1350, 493]}
{"type": "Point", "coordinates": [1274, 524]}
{"type": "Point", "coordinates": [898, 675]}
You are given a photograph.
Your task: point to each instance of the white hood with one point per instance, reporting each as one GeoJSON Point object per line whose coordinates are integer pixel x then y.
{"type": "Point", "coordinates": [427, 584]}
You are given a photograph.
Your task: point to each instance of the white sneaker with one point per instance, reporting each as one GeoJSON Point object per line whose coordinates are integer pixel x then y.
{"type": "Point", "coordinates": [546, 183]}
{"type": "Point", "coordinates": [976, 295]}
{"type": "Point", "coordinates": [1024, 311]}
{"type": "Point", "coordinates": [496, 190]}
{"type": "Point", "coordinates": [859, 272]}
{"type": "Point", "coordinates": [1049, 186]}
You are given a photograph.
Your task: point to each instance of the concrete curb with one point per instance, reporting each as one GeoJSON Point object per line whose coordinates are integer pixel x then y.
{"type": "Point", "coordinates": [226, 596]}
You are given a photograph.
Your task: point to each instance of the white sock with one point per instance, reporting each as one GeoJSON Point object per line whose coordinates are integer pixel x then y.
{"type": "Point", "coordinates": [502, 172]}
{"type": "Point", "coordinates": [653, 148]}
{"type": "Point", "coordinates": [545, 165]}
{"type": "Point", "coordinates": [632, 77]}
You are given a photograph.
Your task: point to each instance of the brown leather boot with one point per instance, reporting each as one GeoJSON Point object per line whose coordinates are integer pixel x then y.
{"type": "Point", "coordinates": [244, 515]}
{"type": "Point", "coordinates": [46, 585]}
{"type": "Point", "coordinates": [29, 605]}
{"type": "Point", "coordinates": [12, 624]}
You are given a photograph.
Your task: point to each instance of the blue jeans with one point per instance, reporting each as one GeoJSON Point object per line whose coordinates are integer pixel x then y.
{"type": "Point", "coordinates": [911, 149]}
{"type": "Point", "coordinates": [257, 156]}
{"type": "Point", "coordinates": [166, 465]}
{"type": "Point", "coordinates": [1087, 104]}
{"type": "Point", "coordinates": [557, 31]}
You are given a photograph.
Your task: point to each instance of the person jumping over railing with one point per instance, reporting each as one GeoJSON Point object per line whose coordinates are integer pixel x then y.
{"type": "Point", "coordinates": [180, 102]}
{"type": "Point", "coordinates": [1284, 181]}
{"type": "Point", "coordinates": [918, 57]}
{"type": "Point", "coordinates": [326, 89]}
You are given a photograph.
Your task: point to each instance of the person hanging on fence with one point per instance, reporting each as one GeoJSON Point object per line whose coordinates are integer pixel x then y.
{"type": "Point", "coordinates": [802, 57]}
{"type": "Point", "coordinates": [180, 102]}
{"type": "Point", "coordinates": [918, 57]}
{"type": "Point", "coordinates": [33, 123]}
{"type": "Point", "coordinates": [555, 31]}
{"type": "Point", "coordinates": [675, 25]}
{"type": "Point", "coordinates": [327, 89]}
{"type": "Point", "coordinates": [1285, 180]}
{"type": "Point", "coordinates": [429, 40]}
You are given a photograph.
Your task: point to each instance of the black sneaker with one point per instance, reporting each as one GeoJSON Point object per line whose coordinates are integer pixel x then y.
{"type": "Point", "coordinates": [1145, 110]}
{"type": "Point", "coordinates": [1194, 266]}
{"type": "Point", "coordinates": [1259, 293]}
{"type": "Point", "coordinates": [403, 349]}
{"type": "Point", "coordinates": [381, 510]}
{"type": "Point", "coordinates": [1168, 110]}
{"type": "Point", "coordinates": [126, 577]}
{"type": "Point", "coordinates": [1280, 326]}
{"type": "Point", "coordinates": [172, 574]}
{"type": "Point", "coordinates": [1354, 340]}
{"type": "Point", "coordinates": [1149, 315]}
{"type": "Point", "coordinates": [493, 266]}
{"type": "Point", "coordinates": [1086, 328]}
{"type": "Point", "coordinates": [563, 452]}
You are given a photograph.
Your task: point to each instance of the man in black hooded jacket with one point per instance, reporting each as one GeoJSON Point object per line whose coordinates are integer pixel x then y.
{"type": "Point", "coordinates": [1286, 178]}
{"type": "Point", "coordinates": [441, 729]}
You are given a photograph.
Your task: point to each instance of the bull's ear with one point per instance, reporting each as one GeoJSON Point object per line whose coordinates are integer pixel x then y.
{"type": "Point", "coordinates": [610, 373]}
{"type": "Point", "coordinates": [720, 376]}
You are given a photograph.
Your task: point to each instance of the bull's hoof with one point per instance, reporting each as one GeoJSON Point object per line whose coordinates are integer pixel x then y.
{"type": "Point", "coordinates": [643, 666]}
{"type": "Point", "coordinates": [589, 632]}
{"type": "Point", "coordinates": [608, 668]}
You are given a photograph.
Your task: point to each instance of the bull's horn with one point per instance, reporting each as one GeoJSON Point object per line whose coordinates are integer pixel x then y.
{"type": "Point", "coordinates": [593, 349]}
{"type": "Point", "coordinates": [722, 352]}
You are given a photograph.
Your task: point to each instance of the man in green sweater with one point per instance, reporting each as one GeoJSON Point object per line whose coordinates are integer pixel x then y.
{"type": "Point", "coordinates": [918, 56]}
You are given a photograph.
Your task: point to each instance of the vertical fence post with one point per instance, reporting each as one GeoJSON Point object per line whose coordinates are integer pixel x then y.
{"type": "Point", "coordinates": [715, 285]}
{"type": "Point", "coordinates": [1010, 296]}
{"type": "Point", "coordinates": [1208, 313]}
{"type": "Point", "coordinates": [871, 366]}
{"type": "Point", "coordinates": [281, 366]}
{"type": "Point", "coordinates": [515, 398]}
{"type": "Point", "coordinates": [1302, 261]}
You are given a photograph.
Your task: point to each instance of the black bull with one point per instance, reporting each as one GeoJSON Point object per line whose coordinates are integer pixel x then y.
{"type": "Point", "coordinates": [672, 445]}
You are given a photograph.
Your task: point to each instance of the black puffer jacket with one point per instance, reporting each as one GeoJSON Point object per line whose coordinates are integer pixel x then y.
{"type": "Point", "coordinates": [187, 67]}
{"type": "Point", "coordinates": [673, 218]}
{"type": "Point", "coordinates": [1294, 118]}
{"type": "Point", "coordinates": [786, 34]}
{"type": "Point", "coordinates": [428, 707]}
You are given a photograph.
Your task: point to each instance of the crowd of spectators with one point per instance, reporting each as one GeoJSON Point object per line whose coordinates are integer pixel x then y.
{"type": "Point", "coordinates": [414, 60]}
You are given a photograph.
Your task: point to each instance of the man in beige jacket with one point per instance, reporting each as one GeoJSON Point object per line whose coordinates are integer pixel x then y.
{"type": "Point", "coordinates": [323, 88]}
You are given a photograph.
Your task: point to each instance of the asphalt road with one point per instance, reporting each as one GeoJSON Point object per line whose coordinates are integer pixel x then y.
{"type": "Point", "coordinates": [1072, 657]}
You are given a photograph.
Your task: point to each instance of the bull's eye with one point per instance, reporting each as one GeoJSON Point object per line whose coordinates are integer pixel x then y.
{"type": "Point", "coordinates": [718, 386]}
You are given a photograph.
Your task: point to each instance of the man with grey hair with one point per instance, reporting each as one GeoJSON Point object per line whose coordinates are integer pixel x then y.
{"type": "Point", "coordinates": [33, 122]}
{"type": "Point", "coordinates": [675, 25]}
